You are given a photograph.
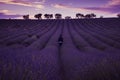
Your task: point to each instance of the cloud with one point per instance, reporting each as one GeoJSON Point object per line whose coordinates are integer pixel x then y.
{"type": "Point", "coordinates": [113, 6]}
{"type": "Point", "coordinates": [113, 3]}
{"type": "Point", "coordinates": [23, 3]}
{"type": "Point", "coordinates": [6, 16]}
{"type": "Point", "coordinates": [4, 11]}
{"type": "Point", "coordinates": [60, 6]}
{"type": "Point", "coordinates": [80, 9]}
{"type": "Point", "coordinates": [114, 9]}
{"type": "Point", "coordinates": [40, 1]}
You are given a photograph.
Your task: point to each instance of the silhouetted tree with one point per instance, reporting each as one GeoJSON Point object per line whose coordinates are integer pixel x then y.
{"type": "Point", "coordinates": [93, 15]}
{"type": "Point", "coordinates": [118, 15]}
{"type": "Point", "coordinates": [50, 16]}
{"type": "Point", "coordinates": [79, 15]}
{"type": "Point", "coordinates": [46, 16]}
{"type": "Point", "coordinates": [58, 16]}
{"type": "Point", "coordinates": [82, 15]}
{"type": "Point", "coordinates": [68, 17]}
{"type": "Point", "coordinates": [38, 16]}
{"type": "Point", "coordinates": [88, 16]}
{"type": "Point", "coordinates": [25, 17]}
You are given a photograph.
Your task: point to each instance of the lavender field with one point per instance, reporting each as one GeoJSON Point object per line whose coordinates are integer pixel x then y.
{"type": "Point", "coordinates": [29, 49]}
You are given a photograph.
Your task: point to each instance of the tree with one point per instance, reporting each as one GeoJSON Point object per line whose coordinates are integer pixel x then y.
{"type": "Point", "coordinates": [82, 15]}
{"type": "Point", "coordinates": [58, 16]}
{"type": "Point", "coordinates": [38, 16]}
{"type": "Point", "coordinates": [79, 15]}
{"type": "Point", "coordinates": [87, 16]}
{"type": "Point", "coordinates": [25, 17]}
{"type": "Point", "coordinates": [50, 16]}
{"type": "Point", "coordinates": [46, 16]}
{"type": "Point", "coordinates": [118, 15]}
{"type": "Point", "coordinates": [93, 15]}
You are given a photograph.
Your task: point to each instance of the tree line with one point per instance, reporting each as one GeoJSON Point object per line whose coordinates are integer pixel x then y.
{"type": "Point", "coordinates": [59, 16]}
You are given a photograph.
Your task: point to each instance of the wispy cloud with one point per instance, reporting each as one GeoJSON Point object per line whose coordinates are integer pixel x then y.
{"type": "Point", "coordinates": [23, 3]}
{"type": "Point", "coordinates": [60, 6]}
{"type": "Point", "coordinates": [113, 3]}
{"type": "Point", "coordinates": [113, 6]}
{"type": "Point", "coordinates": [8, 14]}
{"type": "Point", "coordinates": [4, 11]}
{"type": "Point", "coordinates": [40, 1]}
{"type": "Point", "coordinates": [80, 9]}
{"type": "Point", "coordinates": [3, 15]}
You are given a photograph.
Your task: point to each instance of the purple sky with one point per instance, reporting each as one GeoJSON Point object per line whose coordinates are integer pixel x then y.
{"type": "Point", "coordinates": [17, 8]}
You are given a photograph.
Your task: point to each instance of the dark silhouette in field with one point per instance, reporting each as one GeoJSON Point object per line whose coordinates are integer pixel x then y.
{"type": "Point", "coordinates": [25, 17]}
{"type": "Point", "coordinates": [58, 16]}
{"type": "Point", "coordinates": [79, 15]}
{"type": "Point", "coordinates": [33, 36]}
{"type": "Point", "coordinates": [118, 15]}
{"type": "Point", "coordinates": [39, 16]}
{"type": "Point", "coordinates": [60, 40]}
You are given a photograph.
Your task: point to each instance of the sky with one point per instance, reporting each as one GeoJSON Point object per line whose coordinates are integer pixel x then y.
{"type": "Point", "coordinates": [17, 8]}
